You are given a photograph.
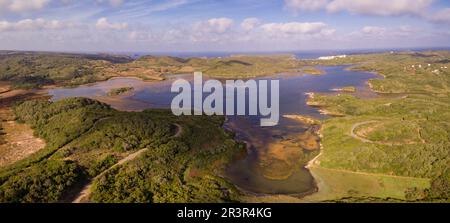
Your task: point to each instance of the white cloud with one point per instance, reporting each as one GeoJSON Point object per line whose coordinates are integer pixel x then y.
{"type": "Point", "coordinates": [103, 24]}
{"type": "Point", "coordinates": [19, 6]}
{"type": "Point", "coordinates": [419, 8]}
{"type": "Point", "coordinates": [294, 28]}
{"type": "Point", "coordinates": [305, 5]}
{"type": "Point", "coordinates": [366, 7]}
{"type": "Point", "coordinates": [266, 37]}
{"type": "Point", "coordinates": [250, 24]}
{"type": "Point", "coordinates": [141, 36]}
{"type": "Point", "coordinates": [380, 33]}
{"type": "Point", "coordinates": [215, 25]}
{"type": "Point", "coordinates": [374, 30]}
{"type": "Point", "coordinates": [33, 24]}
{"type": "Point", "coordinates": [442, 16]}
{"type": "Point", "coordinates": [212, 30]}
{"type": "Point", "coordinates": [381, 7]}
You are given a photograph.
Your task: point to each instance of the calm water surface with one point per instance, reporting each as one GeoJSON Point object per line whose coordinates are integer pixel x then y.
{"type": "Point", "coordinates": [244, 172]}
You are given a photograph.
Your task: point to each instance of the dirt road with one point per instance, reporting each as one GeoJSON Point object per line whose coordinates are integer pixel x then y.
{"type": "Point", "coordinates": [83, 196]}
{"type": "Point", "coordinates": [356, 125]}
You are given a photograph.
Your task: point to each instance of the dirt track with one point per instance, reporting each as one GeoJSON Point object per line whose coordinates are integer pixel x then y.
{"type": "Point", "coordinates": [356, 125]}
{"type": "Point", "coordinates": [83, 196]}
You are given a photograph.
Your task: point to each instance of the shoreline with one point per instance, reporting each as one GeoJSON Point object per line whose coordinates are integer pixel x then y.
{"type": "Point", "coordinates": [251, 196]}
{"type": "Point", "coordinates": [315, 162]}
{"type": "Point", "coordinates": [309, 165]}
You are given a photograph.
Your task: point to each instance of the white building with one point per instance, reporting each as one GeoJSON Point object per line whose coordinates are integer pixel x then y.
{"type": "Point", "coordinates": [332, 57]}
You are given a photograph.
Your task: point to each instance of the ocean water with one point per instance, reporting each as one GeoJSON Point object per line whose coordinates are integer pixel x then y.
{"type": "Point", "coordinates": [301, 54]}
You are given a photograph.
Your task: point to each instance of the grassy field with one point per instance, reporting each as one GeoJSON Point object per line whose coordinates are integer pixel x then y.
{"type": "Point", "coordinates": [338, 184]}
{"type": "Point", "coordinates": [402, 134]}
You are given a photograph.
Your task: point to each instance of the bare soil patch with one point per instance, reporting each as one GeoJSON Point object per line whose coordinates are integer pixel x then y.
{"type": "Point", "coordinates": [16, 140]}
{"type": "Point", "coordinates": [19, 142]}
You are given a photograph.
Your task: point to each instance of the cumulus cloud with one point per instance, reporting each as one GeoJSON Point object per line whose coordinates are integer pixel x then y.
{"type": "Point", "coordinates": [295, 28]}
{"type": "Point", "coordinates": [19, 6]}
{"type": "Point", "coordinates": [214, 25]}
{"type": "Point", "coordinates": [269, 36]}
{"type": "Point", "coordinates": [250, 24]}
{"type": "Point", "coordinates": [33, 24]}
{"type": "Point", "coordinates": [212, 30]}
{"type": "Point", "coordinates": [103, 24]}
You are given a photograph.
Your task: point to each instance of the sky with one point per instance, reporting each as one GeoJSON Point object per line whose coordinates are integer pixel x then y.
{"type": "Point", "coordinates": [222, 25]}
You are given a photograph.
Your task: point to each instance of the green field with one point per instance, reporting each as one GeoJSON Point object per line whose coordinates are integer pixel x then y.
{"type": "Point", "coordinates": [402, 134]}
{"type": "Point", "coordinates": [336, 185]}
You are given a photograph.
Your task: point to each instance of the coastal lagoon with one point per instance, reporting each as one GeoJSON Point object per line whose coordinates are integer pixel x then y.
{"type": "Point", "coordinates": [275, 158]}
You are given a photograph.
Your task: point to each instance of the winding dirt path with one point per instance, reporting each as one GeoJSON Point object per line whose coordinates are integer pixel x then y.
{"type": "Point", "coordinates": [356, 125]}
{"type": "Point", "coordinates": [355, 136]}
{"type": "Point", "coordinates": [83, 196]}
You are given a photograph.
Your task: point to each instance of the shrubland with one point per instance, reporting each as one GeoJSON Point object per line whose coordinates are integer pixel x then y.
{"type": "Point", "coordinates": [406, 128]}
{"type": "Point", "coordinates": [33, 69]}
{"type": "Point", "coordinates": [85, 138]}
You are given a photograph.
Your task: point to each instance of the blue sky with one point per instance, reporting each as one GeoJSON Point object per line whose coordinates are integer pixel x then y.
{"type": "Point", "coordinates": [219, 25]}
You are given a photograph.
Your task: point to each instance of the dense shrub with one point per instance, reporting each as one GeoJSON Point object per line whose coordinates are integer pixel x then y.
{"type": "Point", "coordinates": [45, 182]}
{"type": "Point", "coordinates": [95, 137]}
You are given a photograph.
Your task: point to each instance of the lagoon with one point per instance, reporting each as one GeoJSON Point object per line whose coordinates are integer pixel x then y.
{"type": "Point", "coordinates": [272, 163]}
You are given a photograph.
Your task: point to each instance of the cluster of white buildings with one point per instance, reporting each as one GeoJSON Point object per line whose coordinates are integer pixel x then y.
{"type": "Point", "coordinates": [332, 57]}
{"type": "Point", "coordinates": [436, 71]}
{"type": "Point", "coordinates": [429, 65]}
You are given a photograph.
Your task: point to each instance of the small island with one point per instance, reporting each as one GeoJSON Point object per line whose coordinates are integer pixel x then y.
{"type": "Point", "coordinates": [350, 89]}
{"type": "Point", "coordinates": [120, 91]}
{"type": "Point", "coordinates": [312, 71]}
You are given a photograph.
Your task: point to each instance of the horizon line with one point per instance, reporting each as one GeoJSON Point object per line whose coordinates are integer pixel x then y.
{"type": "Point", "coordinates": [234, 52]}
